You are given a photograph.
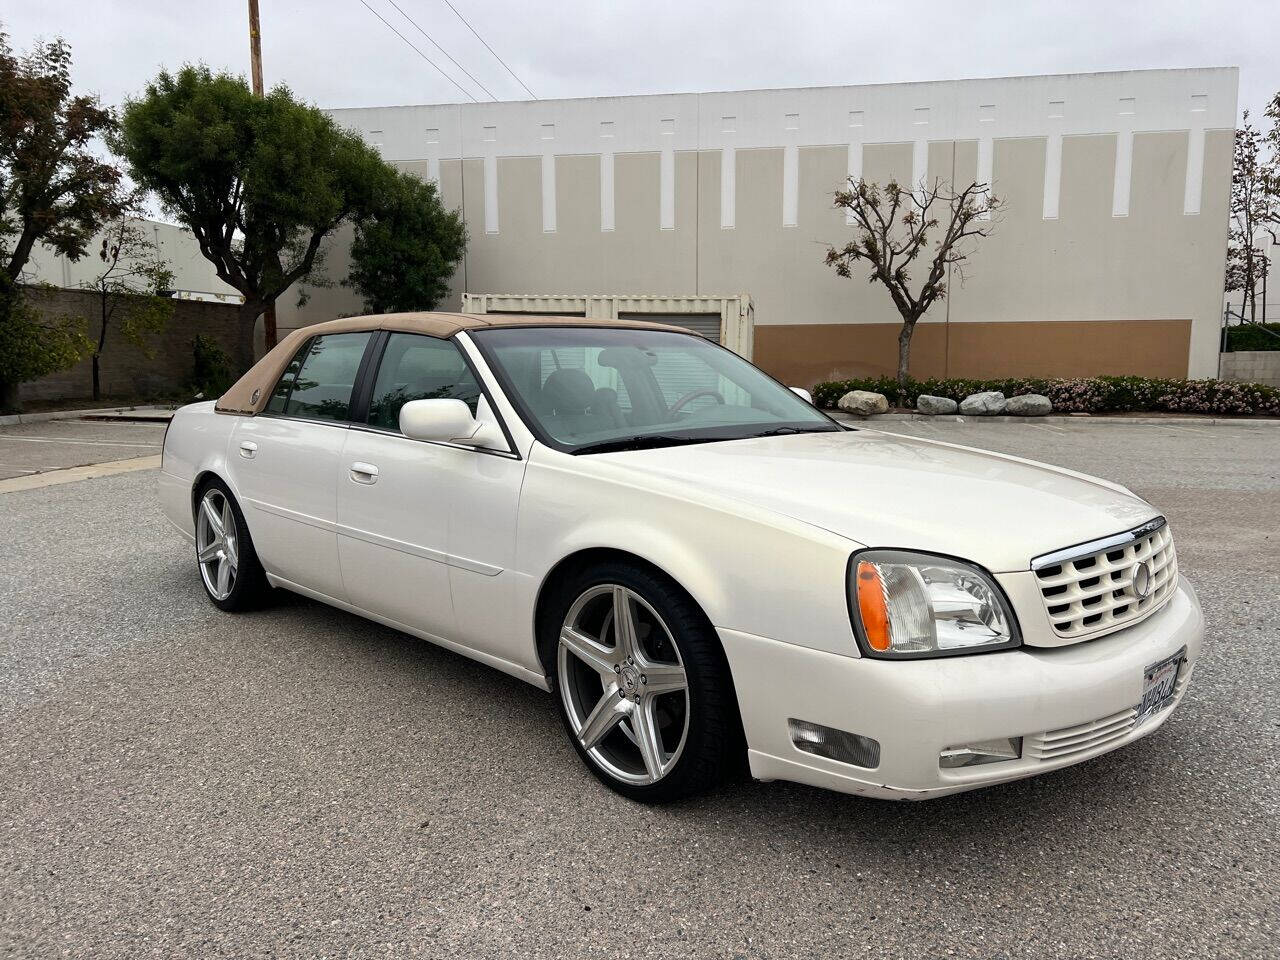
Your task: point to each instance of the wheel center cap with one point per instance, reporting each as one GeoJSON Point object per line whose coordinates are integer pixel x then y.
{"type": "Point", "coordinates": [629, 676]}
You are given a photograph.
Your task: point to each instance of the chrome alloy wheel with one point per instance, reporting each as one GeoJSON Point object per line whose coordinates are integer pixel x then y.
{"type": "Point", "coordinates": [623, 684]}
{"type": "Point", "coordinates": [217, 551]}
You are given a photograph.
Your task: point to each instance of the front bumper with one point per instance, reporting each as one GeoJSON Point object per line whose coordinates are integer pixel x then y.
{"type": "Point", "coordinates": [1076, 694]}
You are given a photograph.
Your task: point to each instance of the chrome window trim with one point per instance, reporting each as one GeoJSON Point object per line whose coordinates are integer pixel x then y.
{"type": "Point", "coordinates": [1080, 550]}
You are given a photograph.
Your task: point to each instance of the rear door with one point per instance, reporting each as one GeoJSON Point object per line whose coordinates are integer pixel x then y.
{"type": "Point", "coordinates": [285, 463]}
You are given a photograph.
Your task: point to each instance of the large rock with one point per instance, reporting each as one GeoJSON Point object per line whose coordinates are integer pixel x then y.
{"type": "Point", "coordinates": [863, 403]}
{"type": "Point", "coordinates": [926, 403]}
{"type": "Point", "coordinates": [987, 404]}
{"type": "Point", "coordinates": [1029, 405]}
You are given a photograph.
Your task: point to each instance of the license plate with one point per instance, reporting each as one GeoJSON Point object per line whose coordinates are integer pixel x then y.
{"type": "Point", "coordinates": [1158, 682]}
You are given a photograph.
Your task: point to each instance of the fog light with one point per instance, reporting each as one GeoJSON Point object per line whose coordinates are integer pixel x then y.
{"type": "Point", "coordinates": [981, 751]}
{"type": "Point", "coordinates": [835, 744]}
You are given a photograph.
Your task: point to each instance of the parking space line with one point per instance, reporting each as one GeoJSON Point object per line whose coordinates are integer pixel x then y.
{"type": "Point", "coordinates": [52, 478]}
{"type": "Point", "coordinates": [96, 443]}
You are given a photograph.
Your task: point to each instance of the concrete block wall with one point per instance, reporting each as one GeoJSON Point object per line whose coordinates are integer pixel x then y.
{"type": "Point", "coordinates": [1252, 366]}
{"type": "Point", "coordinates": [126, 371]}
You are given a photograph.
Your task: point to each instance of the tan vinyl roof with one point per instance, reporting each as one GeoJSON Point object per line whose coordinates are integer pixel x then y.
{"type": "Point", "coordinates": [248, 395]}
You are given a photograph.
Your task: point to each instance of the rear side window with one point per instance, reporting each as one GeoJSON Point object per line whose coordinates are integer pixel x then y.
{"type": "Point", "coordinates": [318, 382]}
{"type": "Point", "coordinates": [415, 367]}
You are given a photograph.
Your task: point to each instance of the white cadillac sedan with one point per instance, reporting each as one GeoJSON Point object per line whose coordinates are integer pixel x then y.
{"type": "Point", "coordinates": [702, 567]}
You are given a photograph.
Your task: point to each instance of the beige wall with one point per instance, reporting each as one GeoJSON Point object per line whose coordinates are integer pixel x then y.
{"type": "Point", "coordinates": [1148, 277]}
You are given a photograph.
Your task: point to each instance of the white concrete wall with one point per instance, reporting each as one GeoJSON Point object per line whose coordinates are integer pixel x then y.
{"type": "Point", "coordinates": [193, 274]}
{"type": "Point", "coordinates": [1116, 187]}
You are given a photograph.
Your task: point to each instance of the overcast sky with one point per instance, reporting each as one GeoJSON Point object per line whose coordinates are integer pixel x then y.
{"type": "Point", "coordinates": [336, 53]}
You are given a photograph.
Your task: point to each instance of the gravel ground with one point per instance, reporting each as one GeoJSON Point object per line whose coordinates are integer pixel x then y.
{"type": "Point", "coordinates": [299, 782]}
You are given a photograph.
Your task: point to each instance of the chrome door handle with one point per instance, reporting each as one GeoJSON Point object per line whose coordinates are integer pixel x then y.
{"type": "Point", "coordinates": [364, 472]}
{"type": "Point", "coordinates": [248, 449]}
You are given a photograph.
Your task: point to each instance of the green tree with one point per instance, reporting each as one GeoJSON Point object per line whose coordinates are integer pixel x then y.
{"type": "Point", "coordinates": [132, 285]}
{"type": "Point", "coordinates": [54, 190]}
{"type": "Point", "coordinates": [259, 181]}
{"type": "Point", "coordinates": [406, 249]}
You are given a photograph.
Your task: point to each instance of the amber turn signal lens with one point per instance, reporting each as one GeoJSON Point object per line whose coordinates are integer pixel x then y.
{"type": "Point", "coordinates": [872, 608]}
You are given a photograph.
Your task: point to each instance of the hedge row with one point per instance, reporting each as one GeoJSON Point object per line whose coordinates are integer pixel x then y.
{"type": "Point", "coordinates": [1084, 395]}
{"type": "Point", "coordinates": [1254, 336]}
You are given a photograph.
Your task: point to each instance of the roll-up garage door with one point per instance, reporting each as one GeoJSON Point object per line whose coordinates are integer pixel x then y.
{"type": "Point", "coordinates": [704, 324]}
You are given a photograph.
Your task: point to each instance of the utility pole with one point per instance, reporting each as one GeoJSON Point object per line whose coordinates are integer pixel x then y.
{"type": "Point", "coordinates": [255, 65]}
{"type": "Point", "coordinates": [255, 48]}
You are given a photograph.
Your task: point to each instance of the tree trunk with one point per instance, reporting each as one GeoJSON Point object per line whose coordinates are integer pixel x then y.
{"type": "Point", "coordinates": [102, 342]}
{"type": "Point", "coordinates": [9, 397]}
{"type": "Point", "coordinates": [904, 350]}
{"type": "Point", "coordinates": [250, 310]}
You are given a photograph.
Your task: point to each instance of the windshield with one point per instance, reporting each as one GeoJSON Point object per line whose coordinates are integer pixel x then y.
{"type": "Point", "coordinates": [593, 389]}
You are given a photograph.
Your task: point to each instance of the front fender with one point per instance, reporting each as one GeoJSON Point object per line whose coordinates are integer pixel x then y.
{"type": "Point", "coordinates": [748, 569]}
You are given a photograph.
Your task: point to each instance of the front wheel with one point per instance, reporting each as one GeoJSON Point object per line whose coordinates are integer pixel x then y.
{"type": "Point", "coordinates": [229, 568]}
{"type": "Point", "coordinates": [644, 689]}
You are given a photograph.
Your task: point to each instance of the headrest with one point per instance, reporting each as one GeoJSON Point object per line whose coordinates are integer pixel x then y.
{"type": "Point", "coordinates": [569, 391]}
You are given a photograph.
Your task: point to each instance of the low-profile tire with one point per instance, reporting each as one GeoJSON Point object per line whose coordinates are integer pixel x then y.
{"type": "Point", "coordinates": [228, 565]}
{"type": "Point", "coordinates": [650, 710]}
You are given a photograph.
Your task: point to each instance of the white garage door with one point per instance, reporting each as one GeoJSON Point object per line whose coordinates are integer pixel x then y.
{"type": "Point", "coordinates": [704, 324]}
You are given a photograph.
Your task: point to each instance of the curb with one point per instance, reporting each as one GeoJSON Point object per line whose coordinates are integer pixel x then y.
{"type": "Point", "coordinates": [147, 413]}
{"type": "Point", "coordinates": [1059, 419]}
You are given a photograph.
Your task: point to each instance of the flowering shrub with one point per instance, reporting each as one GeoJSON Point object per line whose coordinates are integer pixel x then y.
{"type": "Point", "coordinates": [1081, 395]}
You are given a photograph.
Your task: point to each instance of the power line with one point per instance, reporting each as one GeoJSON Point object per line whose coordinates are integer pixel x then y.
{"type": "Point", "coordinates": [491, 50]}
{"type": "Point", "coordinates": [419, 52]}
{"type": "Point", "coordinates": [441, 49]}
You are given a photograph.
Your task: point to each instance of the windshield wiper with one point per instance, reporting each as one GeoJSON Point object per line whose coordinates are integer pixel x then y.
{"type": "Point", "coordinates": [781, 431]}
{"type": "Point", "coordinates": [639, 442]}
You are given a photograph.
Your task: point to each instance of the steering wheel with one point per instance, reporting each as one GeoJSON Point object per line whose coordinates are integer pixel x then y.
{"type": "Point", "coordinates": [693, 395]}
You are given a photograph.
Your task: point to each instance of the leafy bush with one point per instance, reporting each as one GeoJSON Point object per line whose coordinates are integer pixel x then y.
{"type": "Point", "coordinates": [1254, 336]}
{"type": "Point", "coordinates": [1082, 395]}
{"type": "Point", "coordinates": [211, 370]}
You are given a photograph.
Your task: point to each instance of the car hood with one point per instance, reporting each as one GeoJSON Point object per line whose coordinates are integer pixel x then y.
{"type": "Point", "coordinates": [887, 490]}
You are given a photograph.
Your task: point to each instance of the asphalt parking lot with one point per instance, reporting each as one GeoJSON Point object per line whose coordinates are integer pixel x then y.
{"type": "Point", "coordinates": [300, 782]}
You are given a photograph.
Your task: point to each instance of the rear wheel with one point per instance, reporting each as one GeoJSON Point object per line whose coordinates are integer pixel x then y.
{"type": "Point", "coordinates": [644, 691]}
{"type": "Point", "coordinates": [228, 564]}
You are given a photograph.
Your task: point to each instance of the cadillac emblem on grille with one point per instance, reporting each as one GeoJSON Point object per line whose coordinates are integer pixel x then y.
{"type": "Point", "coordinates": [1141, 580]}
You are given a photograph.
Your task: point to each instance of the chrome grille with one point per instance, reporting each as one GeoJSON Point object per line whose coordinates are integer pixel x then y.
{"type": "Point", "coordinates": [1090, 590]}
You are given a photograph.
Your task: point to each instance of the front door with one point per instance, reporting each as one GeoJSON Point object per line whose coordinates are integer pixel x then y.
{"type": "Point", "coordinates": [396, 496]}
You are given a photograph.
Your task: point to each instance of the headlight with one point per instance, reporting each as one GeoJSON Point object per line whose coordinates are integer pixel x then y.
{"type": "Point", "coordinates": [909, 605]}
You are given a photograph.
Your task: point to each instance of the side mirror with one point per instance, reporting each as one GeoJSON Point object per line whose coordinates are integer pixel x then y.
{"type": "Point", "coordinates": [803, 394]}
{"type": "Point", "coordinates": [447, 421]}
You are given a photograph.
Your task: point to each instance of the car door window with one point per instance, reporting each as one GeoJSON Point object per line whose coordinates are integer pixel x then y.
{"type": "Point", "coordinates": [318, 382]}
{"type": "Point", "coordinates": [415, 367]}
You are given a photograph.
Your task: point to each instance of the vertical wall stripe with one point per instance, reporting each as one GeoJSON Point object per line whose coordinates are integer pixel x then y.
{"type": "Point", "coordinates": [491, 194]}
{"type": "Point", "coordinates": [1124, 173]}
{"type": "Point", "coordinates": [1052, 175]}
{"type": "Point", "coordinates": [433, 171]}
{"type": "Point", "coordinates": [1195, 171]}
{"type": "Point", "coordinates": [667, 185]}
{"type": "Point", "coordinates": [919, 163]}
{"type": "Point", "coordinates": [606, 192]}
{"type": "Point", "coordinates": [548, 193]}
{"type": "Point", "coordinates": [728, 188]}
{"type": "Point", "coordinates": [790, 184]}
{"type": "Point", "coordinates": [985, 168]}
{"type": "Point", "coordinates": [854, 170]}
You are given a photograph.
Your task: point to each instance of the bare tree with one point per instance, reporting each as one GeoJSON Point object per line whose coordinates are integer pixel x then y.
{"type": "Point", "coordinates": [896, 226]}
{"type": "Point", "coordinates": [1255, 210]}
{"type": "Point", "coordinates": [132, 289]}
